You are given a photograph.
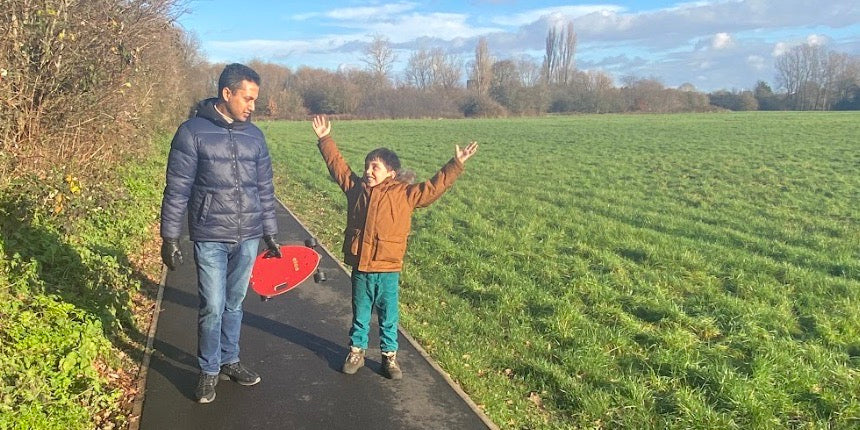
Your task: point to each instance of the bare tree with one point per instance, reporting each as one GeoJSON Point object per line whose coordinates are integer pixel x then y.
{"type": "Point", "coordinates": [482, 69]}
{"type": "Point", "coordinates": [815, 77]}
{"type": "Point", "coordinates": [568, 49]}
{"type": "Point", "coordinates": [379, 57]}
{"type": "Point", "coordinates": [433, 69]}
{"type": "Point", "coordinates": [447, 69]}
{"type": "Point", "coordinates": [419, 70]}
{"type": "Point", "coordinates": [799, 72]}
{"type": "Point", "coordinates": [560, 49]}
{"type": "Point", "coordinates": [842, 73]}
{"type": "Point", "coordinates": [550, 55]}
{"type": "Point", "coordinates": [528, 71]}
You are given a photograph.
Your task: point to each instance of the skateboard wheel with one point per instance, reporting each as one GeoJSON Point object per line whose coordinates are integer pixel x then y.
{"type": "Point", "coordinates": [319, 276]}
{"type": "Point", "coordinates": [311, 243]}
{"type": "Point", "coordinates": [264, 298]}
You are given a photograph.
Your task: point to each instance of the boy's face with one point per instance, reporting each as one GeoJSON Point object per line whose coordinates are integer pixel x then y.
{"type": "Point", "coordinates": [375, 172]}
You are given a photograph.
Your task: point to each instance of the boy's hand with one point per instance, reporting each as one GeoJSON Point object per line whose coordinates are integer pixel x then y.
{"type": "Point", "coordinates": [465, 153]}
{"type": "Point", "coordinates": [322, 127]}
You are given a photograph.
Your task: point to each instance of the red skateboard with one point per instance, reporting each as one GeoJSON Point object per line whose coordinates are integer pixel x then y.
{"type": "Point", "coordinates": [273, 276]}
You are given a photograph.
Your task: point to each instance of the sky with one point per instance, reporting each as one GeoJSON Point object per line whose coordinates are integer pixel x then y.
{"type": "Point", "coordinates": [711, 44]}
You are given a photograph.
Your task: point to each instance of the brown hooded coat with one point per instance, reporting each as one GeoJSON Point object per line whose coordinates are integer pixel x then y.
{"type": "Point", "coordinates": [379, 219]}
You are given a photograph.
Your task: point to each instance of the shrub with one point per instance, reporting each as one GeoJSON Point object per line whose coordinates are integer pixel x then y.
{"type": "Point", "coordinates": [86, 82]}
{"type": "Point", "coordinates": [477, 105]}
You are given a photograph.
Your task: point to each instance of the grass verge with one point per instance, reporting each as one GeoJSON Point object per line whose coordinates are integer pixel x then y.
{"type": "Point", "coordinates": [76, 291]}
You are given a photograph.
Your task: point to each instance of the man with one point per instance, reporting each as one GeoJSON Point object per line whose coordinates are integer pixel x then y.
{"type": "Point", "coordinates": [220, 173]}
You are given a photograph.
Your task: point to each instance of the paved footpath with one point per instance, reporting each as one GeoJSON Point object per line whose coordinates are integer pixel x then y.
{"type": "Point", "coordinates": [297, 342]}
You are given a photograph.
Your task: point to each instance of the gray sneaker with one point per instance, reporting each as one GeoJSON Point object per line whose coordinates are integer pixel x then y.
{"type": "Point", "coordinates": [205, 391]}
{"type": "Point", "coordinates": [354, 360]}
{"type": "Point", "coordinates": [239, 373]}
{"type": "Point", "coordinates": [389, 365]}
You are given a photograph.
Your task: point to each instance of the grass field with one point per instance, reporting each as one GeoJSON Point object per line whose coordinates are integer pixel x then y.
{"type": "Point", "coordinates": [659, 271]}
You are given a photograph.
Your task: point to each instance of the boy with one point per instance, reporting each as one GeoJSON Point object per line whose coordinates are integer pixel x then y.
{"type": "Point", "coordinates": [378, 220]}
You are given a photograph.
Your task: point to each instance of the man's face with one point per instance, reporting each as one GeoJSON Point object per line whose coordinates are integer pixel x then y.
{"type": "Point", "coordinates": [240, 103]}
{"type": "Point", "coordinates": [375, 173]}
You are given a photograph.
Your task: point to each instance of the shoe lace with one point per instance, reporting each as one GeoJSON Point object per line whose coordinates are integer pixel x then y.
{"type": "Point", "coordinates": [354, 357]}
{"type": "Point", "coordinates": [391, 361]}
{"type": "Point", "coordinates": [208, 380]}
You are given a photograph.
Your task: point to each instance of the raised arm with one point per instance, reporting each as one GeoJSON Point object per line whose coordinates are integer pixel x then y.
{"type": "Point", "coordinates": [322, 126]}
{"type": "Point", "coordinates": [337, 166]}
{"type": "Point", "coordinates": [467, 152]}
{"type": "Point", "coordinates": [425, 193]}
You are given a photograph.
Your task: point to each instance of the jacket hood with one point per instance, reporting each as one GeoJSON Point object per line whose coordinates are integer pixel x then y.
{"type": "Point", "coordinates": [206, 109]}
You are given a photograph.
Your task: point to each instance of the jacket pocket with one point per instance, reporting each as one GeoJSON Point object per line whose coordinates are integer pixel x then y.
{"type": "Point", "coordinates": [390, 249]}
{"type": "Point", "coordinates": [352, 239]}
{"type": "Point", "coordinates": [204, 209]}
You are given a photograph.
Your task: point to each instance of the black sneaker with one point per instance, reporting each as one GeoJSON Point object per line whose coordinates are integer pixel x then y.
{"type": "Point", "coordinates": [205, 391]}
{"type": "Point", "coordinates": [239, 373]}
{"type": "Point", "coordinates": [390, 368]}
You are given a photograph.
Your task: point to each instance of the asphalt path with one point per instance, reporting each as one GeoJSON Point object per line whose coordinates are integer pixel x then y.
{"type": "Point", "coordinates": [297, 343]}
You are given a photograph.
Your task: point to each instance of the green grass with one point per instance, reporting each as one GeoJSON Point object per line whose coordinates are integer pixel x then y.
{"type": "Point", "coordinates": [659, 271]}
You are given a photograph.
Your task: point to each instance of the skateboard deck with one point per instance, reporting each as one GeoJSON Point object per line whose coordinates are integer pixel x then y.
{"type": "Point", "coordinates": [273, 276]}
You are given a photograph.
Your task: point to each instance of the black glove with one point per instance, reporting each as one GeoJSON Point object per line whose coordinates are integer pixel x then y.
{"type": "Point", "coordinates": [274, 250]}
{"type": "Point", "coordinates": [170, 254]}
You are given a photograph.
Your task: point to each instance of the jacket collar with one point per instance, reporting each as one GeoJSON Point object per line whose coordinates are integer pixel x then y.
{"type": "Point", "coordinates": [206, 109]}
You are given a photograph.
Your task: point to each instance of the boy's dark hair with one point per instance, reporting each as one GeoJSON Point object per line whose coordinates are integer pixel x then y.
{"type": "Point", "coordinates": [391, 161]}
{"type": "Point", "coordinates": [233, 75]}
{"type": "Point", "coordinates": [387, 156]}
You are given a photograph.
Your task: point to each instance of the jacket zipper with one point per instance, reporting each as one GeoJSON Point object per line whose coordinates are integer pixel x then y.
{"type": "Point", "coordinates": [235, 152]}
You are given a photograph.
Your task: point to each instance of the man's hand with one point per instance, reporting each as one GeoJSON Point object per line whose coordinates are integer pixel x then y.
{"type": "Point", "coordinates": [274, 250]}
{"type": "Point", "coordinates": [322, 126]}
{"type": "Point", "coordinates": [465, 153]}
{"type": "Point", "coordinates": [170, 254]}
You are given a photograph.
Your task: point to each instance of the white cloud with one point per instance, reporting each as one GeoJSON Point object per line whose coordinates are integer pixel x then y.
{"type": "Point", "coordinates": [722, 41]}
{"type": "Point", "coordinates": [817, 39]}
{"type": "Point", "coordinates": [371, 13]}
{"type": "Point", "coordinates": [812, 40]}
{"type": "Point", "coordinates": [568, 12]}
{"type": "Point", "coordinates": [705, 65]}
{"type": "Point", "coordinates": [400, 24]}
{"type": "Point", "coordinates": [443, 26]}
{"type": "Point", "coordinates": [757, 62]}
{"type": "Point", "coordinates": [304, 16]}
{"type": "Point", "coordinates": [367, 13]}
{"type": "Point", "coordinates": [780, 48]}
{"type": "Point", "coordinates": [670, 27]}
{"type": "Point", "coordinates": [278, 49]}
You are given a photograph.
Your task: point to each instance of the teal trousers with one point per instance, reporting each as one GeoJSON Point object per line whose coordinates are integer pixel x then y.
{"type": "Point", "coordinates": [378, 290]}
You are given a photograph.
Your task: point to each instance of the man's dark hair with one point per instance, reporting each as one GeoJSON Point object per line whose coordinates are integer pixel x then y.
{"type": "Point", "coordinates": [233, 75]}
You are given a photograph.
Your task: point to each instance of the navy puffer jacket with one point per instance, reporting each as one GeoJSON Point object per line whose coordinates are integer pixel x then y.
{"type": "Point", "coordinates": [222, 175]}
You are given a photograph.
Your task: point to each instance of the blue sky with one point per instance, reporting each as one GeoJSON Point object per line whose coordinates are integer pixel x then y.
{"type": "Point", "coordinates": [719, 44]}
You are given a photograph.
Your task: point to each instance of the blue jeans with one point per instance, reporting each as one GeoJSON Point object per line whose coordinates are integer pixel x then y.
{"type": "Point", "coordinates": [380, 290]}
{"type": "Point", "coordinates": [223, 273]}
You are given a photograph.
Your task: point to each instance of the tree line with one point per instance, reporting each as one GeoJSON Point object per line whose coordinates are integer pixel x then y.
{"type": "Point", "coordinates": [435, 83]}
